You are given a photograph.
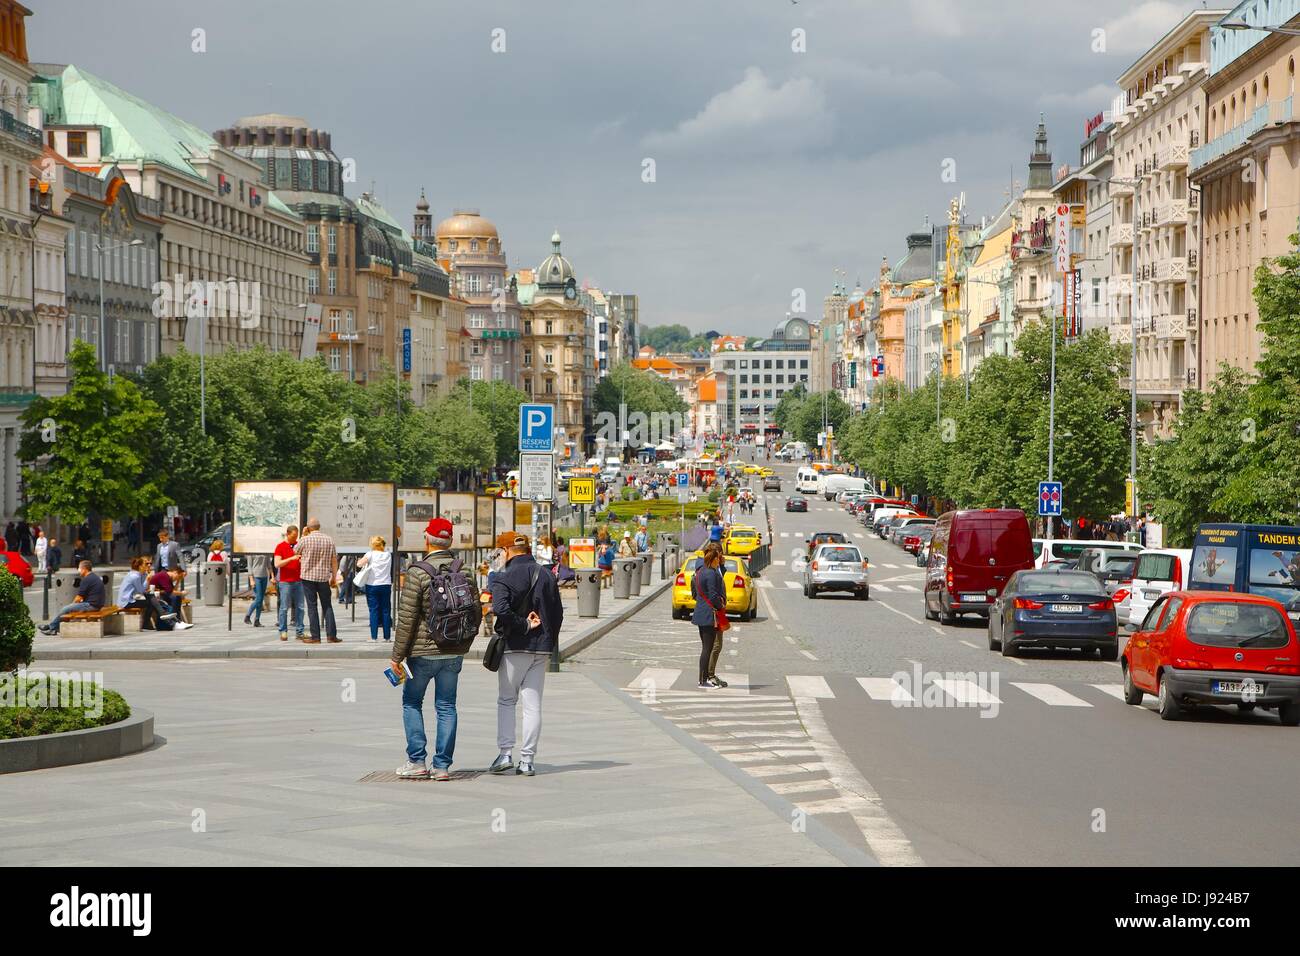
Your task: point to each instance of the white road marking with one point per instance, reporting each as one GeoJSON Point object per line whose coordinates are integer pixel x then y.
{"type": "Point", "coordinates": [885, 688]}
{"type": "Point", "coordinates": [778, 564]}
{"type": "Point", "coordinates": [807, 655]}
{"type": "Point", "coordinates": [907, 587]}
{"type": "Point", "coordinates": [970, 644]}
{"type": "Point", "coordinates": [1115, 690]}
{"type": "Point", "coordinates": [809, 687]}
{"type": "Point", "coordinates": [801, 786]}
{"type": "Point", "coordinates": [764, 583]}
{"type": "Point", "coordinates": [660, 678]}
{"type": "Point", "coordinates": [901, 613]}
{"type": "Point", "coordinates": [1051, 695]}
{"type": "Point", "coordinates": [880, 587]}
{"type": "Point", "coordinates": [893, 565]}
{"type": "Point", "coordinates": [775, 722]}
{"type": "Point", "coordinates": [788, 638]}
{"type": "Point", "coordinates": [793, 585]}
{"type": "Point", "coordinates": [762, 734]}
{"type": "Point", "coordinates": [966, 692]}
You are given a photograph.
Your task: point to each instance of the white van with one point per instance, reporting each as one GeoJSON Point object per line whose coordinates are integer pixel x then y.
{"type": "Point", "coordinates": [1069, 549]}
{"type": "Point", "coordinates": [832, 484]}
{"type": "Point", "coordinates": [806, 480]}
{"type": "Point", "coordinates": [1158, 571]}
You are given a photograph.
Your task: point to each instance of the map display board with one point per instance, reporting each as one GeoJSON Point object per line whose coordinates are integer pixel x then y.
{"type": "Point", "coordinates": [260, 511]}
{"type": "Point", "coordinates": [505, 515]}
{"type": "Point", "coordinates": [352, 512]}
{"type": "Point", "coordinates": [416, 507]}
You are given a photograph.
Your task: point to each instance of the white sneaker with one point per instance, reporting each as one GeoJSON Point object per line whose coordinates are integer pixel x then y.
{"type": "Point", "coordinates": [181, 626]}
{"type": "Point", "coordinates": [414, 770]}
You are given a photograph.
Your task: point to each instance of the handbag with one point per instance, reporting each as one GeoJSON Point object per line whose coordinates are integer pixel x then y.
{"type": "Point", "coordinates": [719, 617]}
{"type": "Point", "coordinates": [362, 577]}
{"type": "Point", "coordinates": [496, 645]}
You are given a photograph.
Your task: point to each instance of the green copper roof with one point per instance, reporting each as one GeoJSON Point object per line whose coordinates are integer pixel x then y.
{"type": "Point", "coordinates": [376, 211]}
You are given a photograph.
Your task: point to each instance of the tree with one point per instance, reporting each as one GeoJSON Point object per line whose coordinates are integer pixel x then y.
{"type": "Point", "coordinates": [499, 402]}
{"type": "Point", "coordinates": [89, 451]}
{"type": "Point", "coordinates": [642, 391]}
{"type": "Point", "coordinates": [666, 338]}
{"type": "Point", "coordinates": [788, 407]}
{"type": "Point", "coordinates": [807, 422]}
{"type": "Point", "coordinates": [460, 438]}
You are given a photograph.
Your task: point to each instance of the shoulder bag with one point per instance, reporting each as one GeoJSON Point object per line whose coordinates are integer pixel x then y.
{"type": "Point", "coordinates": [719, 616]}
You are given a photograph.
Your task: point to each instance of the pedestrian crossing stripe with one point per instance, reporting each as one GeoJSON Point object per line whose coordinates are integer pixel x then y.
{"type": "Point", "coordinates": [793, 585]}
{"type": "Point", "coordinates": [1051, 694]}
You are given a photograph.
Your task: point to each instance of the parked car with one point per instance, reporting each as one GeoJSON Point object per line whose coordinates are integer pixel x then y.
{"type": "Point", "coordinates": [837, 567]}
{"type": "Point", "coordinates": [198, 551]}
{"type": "Point", "coordinates": [1054, 609]}
{"type": "Point", "coordinates": [884, 526]}
{"type": "Point", "coordinates": [881, 515]}
{"type": "Point", "coordinates": [1158, 571]}
{"type": "Point", "coordinates": [1112, 568]}
{"type": "Point", "coordinates": [17, 565]}
{"type": "Point", "coordinates": [905, 524]}
{"type": "Point", "coordinates": [1212, 647]}
{"type": "Point", "coordinates": [772, 483]}
{"type": "Point", "coordinates": [972, 555]}
{"type": "Point", "coordinates": [914, 539]}
{"type": "Point", "coordinates": [742, 540]}
{"type": "Point", "coordinates": [742, 596]}
{"type": "Point", "coordinates": [1068, 549]}
{"type": "Point", "coordinates": [797, 503]}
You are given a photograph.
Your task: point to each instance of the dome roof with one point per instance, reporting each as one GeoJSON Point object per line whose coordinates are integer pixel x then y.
{"type": "Point", "coordinates": [555, 271]}
{"type": "Point", "coordinates": [465, 223]}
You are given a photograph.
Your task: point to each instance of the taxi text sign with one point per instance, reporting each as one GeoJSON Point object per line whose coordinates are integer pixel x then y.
{"type": "Point", "coordinates": [582, 491]}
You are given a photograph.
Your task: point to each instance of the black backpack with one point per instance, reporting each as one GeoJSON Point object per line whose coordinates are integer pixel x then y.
{"type": "Point", "coordinates": [452, 611]}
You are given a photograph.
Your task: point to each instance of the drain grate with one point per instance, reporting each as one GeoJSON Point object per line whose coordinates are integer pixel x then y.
{"type": "Point", "coordinates": [390, 776]}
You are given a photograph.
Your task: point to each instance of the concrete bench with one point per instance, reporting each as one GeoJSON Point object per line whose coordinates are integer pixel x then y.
{"type": "Point", "coordinates": [107, 621]}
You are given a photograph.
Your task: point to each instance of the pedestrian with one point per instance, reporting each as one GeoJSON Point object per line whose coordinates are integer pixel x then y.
{"type": "Point", "coordinates": [24, 538]}
{"type": "Point", "coordinates": [544, 553]}
{"type": "Point", "coordinates": [42, 551]}
{"type": "Point", "coordinates": [168, 555]}
{"type": "Point", "coordinates": [642, 540]}
{"type": "Point", "coordinates": [54, 558]}
{"type": "Point", "coordinates": [377, 563]}
{"type": "Point", "coordinates": [288, 587]}
{"type": "Point", "coordinates": [80, 553]}
{"type": "Point", "coordinates": [259, 569]}
{"type": "Point", "coordinates": [216, 550]}
{"type": "Point", "coordinates": [529, 614]}
{"type": "Point", "coordinates": [710, 593]}
{"type": "Point", "coordinates": [320, 570]}
{"type": "Point", "coordinates": [348, 568]}
{"type": "Point", "coordinates": [626, 547]}
{"type": "Point", "coordinates": [433, 648]}
{"type": "Point", "coordinates": [164, 588]}
{"type": "Point", "coordinates": [90, 597]}
{"type": "Point", "coordinates": [564, 572]}
{"type": "Point", "coordinates": [11, 537]}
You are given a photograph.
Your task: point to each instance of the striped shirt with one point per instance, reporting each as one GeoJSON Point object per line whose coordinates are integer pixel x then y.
{"type": "Point", "coordinates": [318, 556]}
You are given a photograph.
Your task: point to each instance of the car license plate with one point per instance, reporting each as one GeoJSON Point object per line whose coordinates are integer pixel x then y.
{"type": "Point", "coordinates": [973, 598]}
{"type": "Point", "coordinates": [1150, 595]}
{"type": "Point", "coordinates": [840, 567]}
{"type": "Point", "coordinates": [1067, 608]}
{"type": "Point", "coordinates": [1235, 687]}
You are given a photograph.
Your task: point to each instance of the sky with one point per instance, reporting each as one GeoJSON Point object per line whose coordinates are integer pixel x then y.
{"type": "Point", "coordinates": [711, 156]}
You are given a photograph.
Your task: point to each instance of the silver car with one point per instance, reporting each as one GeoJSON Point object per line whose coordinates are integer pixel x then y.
{"type": "Point", "coordinates": [836, 567]}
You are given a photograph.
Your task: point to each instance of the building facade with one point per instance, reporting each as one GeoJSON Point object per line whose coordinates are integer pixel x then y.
{"type": "Point", "coordinates": [758, 377]}
{"type": "Point", "coordinates": [470, 247]}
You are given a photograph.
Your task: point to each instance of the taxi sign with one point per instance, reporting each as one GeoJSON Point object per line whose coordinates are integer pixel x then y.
{"type": "Point", "coordinates": [582, 491]}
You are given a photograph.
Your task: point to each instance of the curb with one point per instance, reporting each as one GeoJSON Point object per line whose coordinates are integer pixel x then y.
{"type": "Point", "coordinates": [78, 746]}
{"type": "Point", "coordinates": [351, 650]}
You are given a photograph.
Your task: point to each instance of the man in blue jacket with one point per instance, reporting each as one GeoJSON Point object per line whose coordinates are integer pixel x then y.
{"type": "Point", "coordinates": [529, 613]}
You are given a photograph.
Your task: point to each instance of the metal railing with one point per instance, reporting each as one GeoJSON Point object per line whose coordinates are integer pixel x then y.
{"type": "Point", "coordinates": [1278, 111]}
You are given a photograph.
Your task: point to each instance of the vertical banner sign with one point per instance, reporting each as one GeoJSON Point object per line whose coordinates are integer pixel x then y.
{"type": "Point", "coordinates": [1073, 304]}
{"type": "Point", "coordinates": [310, 331]}
{"type": "Point", "coordinates": [406, 351]}
{"type": "Point", "coordinates": [1062, 225]}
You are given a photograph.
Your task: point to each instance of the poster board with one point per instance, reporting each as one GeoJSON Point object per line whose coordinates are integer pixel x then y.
{"type": "Point", "coordinates": [416, 507]}
{"type": "Point", "coordinates": [485, 508]}
{"type": "Point", "coordinates": [582, 553]}
{"type": "Point", "coordinates": [352, 512]}
{"type": "Point", "coordinates": [260, 511]}
{"type": "Point", "coordinates": [523, 513]}
{"type": "Point", "coordinates": [458, 508]}
{"type": "Point", "coordinates": [505, 515]}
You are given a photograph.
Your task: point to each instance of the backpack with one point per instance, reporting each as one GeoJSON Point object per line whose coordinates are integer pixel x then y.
{"type": "Point", "coordinates": [452, 612]}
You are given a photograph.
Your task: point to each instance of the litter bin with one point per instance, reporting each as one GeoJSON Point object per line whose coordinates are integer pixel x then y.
{"type": "Point", "coordinates": [647, 567]}
{"type": "Point", "coordinates": [588, 593]}
{"type": "Point", "coordinates": [625, 572]}
{"type": "Point", "coordinates": [634, 584]}
{"type": "Point", "coordinates": [213, 574]}
{"type": "Point", "coordinates": [63, 588]}
{"type": "Point", "coordinates": [672, 560]}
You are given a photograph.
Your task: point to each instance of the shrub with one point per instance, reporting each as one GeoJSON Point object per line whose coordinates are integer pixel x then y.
{"type": "Point", "coordinates": [32, 721]}
{"type": "Point", "coordinates": [16, 627]}
{"type": "Point", "coordinates": [631, 494]}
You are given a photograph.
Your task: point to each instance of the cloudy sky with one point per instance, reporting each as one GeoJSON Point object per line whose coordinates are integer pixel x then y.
{"type": "Point", "coordinates": [772, 167]}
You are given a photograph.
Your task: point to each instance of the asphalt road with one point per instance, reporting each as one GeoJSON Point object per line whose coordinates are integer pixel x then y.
{"type": "Point", "coordinates": [1015, 761]}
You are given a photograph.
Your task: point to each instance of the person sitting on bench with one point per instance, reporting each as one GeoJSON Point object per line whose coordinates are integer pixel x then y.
{"type": "Point", "coordinates": [90, 597]}
{"type": "Point", "coordinates": [134, 593]}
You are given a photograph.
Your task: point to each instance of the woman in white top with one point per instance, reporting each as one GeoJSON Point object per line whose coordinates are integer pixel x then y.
{"type": "Point", "coordinates": [42, 546]}
{"type": "Point", "coordinates": [377, 564]}
{"type": "Point", "coordinates": [543, 553]}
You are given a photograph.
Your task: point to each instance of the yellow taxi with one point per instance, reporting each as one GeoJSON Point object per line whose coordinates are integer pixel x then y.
{"type": "Point", "coordinates": [742, 540]}
{"type": "Point", "coordinates": [742, 596]}
{"type": "Point", "coordinates": [494, 489]}
{"type": "Point", "coordinates": [753, 469]}
{"type": "Point", "coordinates": [765, 472]}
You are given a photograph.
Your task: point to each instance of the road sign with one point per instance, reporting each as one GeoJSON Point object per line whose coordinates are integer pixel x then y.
{"type": "Point", "coordinates": [1049, 499]}
{"type": "Point", "coordinates": [683, 495]}
{"type": "Point", "coordinates": [683, 479]}
{"type": "Point", "coordinates": [1062, 238]}
{"type": "Point", "coordinates": [537, 428]}
{"type": "Point", "coordinates": [537, 476]}
{"type": "Point", "coordinates": [582, 491]}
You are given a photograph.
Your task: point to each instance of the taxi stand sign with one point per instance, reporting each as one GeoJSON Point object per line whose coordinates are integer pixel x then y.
{"type": "Point", "coordinates": [582, 491]}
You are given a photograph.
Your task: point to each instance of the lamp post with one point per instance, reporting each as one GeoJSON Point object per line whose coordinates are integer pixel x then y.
{"type": "Point", "coordinates": [100, 246]}
{"type": "Point", "coordinates": [1285, 31]}
{"type": "Point", "coordinates": [1051, 392]}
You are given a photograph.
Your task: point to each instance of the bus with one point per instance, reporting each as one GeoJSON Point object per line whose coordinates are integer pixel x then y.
{"type": "Point", "coordinates": [1254, 558]}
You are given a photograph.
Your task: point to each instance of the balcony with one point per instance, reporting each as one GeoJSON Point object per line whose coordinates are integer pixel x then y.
{"type": "Point", "coordinates": [1122, 284]}
{"type": "Point", "coordinates": [1171, 212]}
{"type": "Point", "coordinates": [1171, 326]}
{"type": "Point", "coordinates": [1172, 157]}
{"type": "Point", "coordinates": [1120, 334]}
{"type": "Point", "coordinates": [1278, 111]}
{"type": "Point", "coordinates": [1192, 261]}
{"type": "Point", "coordinates": [1121, 234]}
{"type": "Point", "coordinates": [1144, 222]}
{"type": "Point", "coordinates": [11, 125]}
{"type": "Point", "coordinates": [1170, 270]}
{"type": "Point", "coordinates": [1121, 189]}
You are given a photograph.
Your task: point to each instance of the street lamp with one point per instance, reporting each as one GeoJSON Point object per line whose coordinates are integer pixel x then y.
{"type": "Point", "coordinates": [352, 338]}
{"type": "Point", "coordinates": [1286, 31]}
{"type": "Point", "coordinates": [100, 246]}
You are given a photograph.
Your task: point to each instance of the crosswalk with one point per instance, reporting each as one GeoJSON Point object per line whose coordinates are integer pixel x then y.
{"type": "Point", "coordinates": [943, 690]}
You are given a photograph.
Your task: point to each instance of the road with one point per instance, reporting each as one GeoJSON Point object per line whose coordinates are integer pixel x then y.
{"type": "Point", "coordinates": [1006, 761]}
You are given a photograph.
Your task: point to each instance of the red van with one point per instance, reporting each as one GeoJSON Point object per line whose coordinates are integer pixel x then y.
{"type": "Point", "coordinates": [972, 554]}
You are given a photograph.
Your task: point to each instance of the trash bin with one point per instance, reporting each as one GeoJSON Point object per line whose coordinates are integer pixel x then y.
{"type": "Point", "coordinates": [63, 588]}
{"type": "Point", "coordinates": [672, 560]}
{"type": "Point", "coordinates": [625, 570]}
{"type": "Point", "coordinates": [588, 593]}
{"type": "Point", "coordinates": [634, 583]}
{"type": "Point", "coordinates": [213, 574]}
{"type": "Point", "coordinates": [647, 567]}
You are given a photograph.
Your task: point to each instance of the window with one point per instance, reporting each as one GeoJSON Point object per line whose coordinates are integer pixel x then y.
{"type": "Point", "coordinates": [476, 347]}
{"type": "Point", "coordinates": [333, 240]}
{"type": "Point", "coordinates": [498, 372]}
{"type": "Point", "coordinates": [313, 282]}
{"type": "Point", "coordinates": [334, 282]}
{"type": "Point", "coordinates": [476, 372]}
{"type": "Point", "coordinates": [77, 144]}
{"type": "Point", "coordinates": [334, 320]}
{"type": "Point", "coordinates": [313, 238]}
{"type": "Point", "coordinates": [497, 347]}
{"type": "Point", "coordinates": [550, 358]}
{"type": "Point", "coordinates": [528, 327]}
{"type": "Point", "coordinates": [335, 362]}
{"type": "Point", "coordinates": [528, 358]}
{"type": "Point", "coordinates": [549, 327]}
{"type": "Point", "coordinates": [476, 321]}
{"type": "Point", "coordinates": [549, 387]}
{"type": "Point", "coordinates": [473, 245]}
{"type": "Point", "coordinates": [473, 282]}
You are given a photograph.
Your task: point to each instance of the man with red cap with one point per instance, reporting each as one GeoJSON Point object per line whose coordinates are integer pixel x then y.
{"type": "Point", "coordinates": [428, 660]}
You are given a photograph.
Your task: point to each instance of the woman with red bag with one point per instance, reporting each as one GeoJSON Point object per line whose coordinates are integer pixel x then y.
{"type": "Point", "coordinates": [710, 614]}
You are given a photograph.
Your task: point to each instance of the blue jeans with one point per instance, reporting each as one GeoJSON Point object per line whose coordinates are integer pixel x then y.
{"type": "Point", "coordinates": [290, 595]}
{"type": "Point", "coordinates": [379, 597]}
{"type": "Point", "coordinates": [72, 608]}
{"type": "Point", "coordinates": [259, 596]}
{"type": "Point", "coordinates": [445, 674]}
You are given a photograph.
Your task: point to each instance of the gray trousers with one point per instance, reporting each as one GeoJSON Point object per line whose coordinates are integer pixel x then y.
{"type": "Point", "coordinates": [520, 677]}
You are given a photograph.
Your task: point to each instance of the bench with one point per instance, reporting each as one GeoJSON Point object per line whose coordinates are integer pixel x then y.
{"type": "Point", "coordinates": [108, 620]}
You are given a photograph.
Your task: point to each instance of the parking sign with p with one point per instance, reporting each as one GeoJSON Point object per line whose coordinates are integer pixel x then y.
{"type": "Point", "coordinates": [537, 428]}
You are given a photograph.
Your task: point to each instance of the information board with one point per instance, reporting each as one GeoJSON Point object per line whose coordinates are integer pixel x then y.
{"type": "Point", "coordinates": [458, 508]}
{"type": "Point", "coordinates": [416, 507]}
{"type": "Point", "coordinates": [485, 505]}
{"type": "Point", "coordinates": [582, 553]}
{"type": "Point", "coordinates": [505, 515]}
{"type": "Point", "coordinates": [352, 512]}
{"type": "Point", "coordinates": [260, 511]}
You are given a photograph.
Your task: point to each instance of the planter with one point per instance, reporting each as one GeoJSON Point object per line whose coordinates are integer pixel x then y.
{"type": "Point", "coordinates": [78, 746]}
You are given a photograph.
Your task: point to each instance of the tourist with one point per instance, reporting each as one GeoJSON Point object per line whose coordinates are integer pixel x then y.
{"type": "Point", "coordinates": [90, 597]}
{"type": "Point", "coordinates": [259, 569]}
{"type": "Point", "coordinates": [320, 570]}
{"type": "Point", "coordinates": [288, 587]}
{"type": "Point", "coordinates": [377, 563]}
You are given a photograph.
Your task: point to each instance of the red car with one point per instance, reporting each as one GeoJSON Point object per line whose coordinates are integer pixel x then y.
{"type": "Point", "coordinates": [18, 566]}
{"type": "Point", "coordinates": [1215, 647]}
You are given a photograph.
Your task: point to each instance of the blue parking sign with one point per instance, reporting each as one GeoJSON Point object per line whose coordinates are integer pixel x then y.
{"type": "Point", "coordinates": [1049, 499]}
{"type": "Point", "coordinates": [682, 478]}
{"type": "Point", "coordinates": [537, 428]}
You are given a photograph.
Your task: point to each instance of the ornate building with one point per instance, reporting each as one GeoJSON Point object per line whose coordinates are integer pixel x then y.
{"type": "Point", "coordinates": [470, 248]}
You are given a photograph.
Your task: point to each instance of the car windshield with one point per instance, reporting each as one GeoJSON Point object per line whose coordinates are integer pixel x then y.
{"type": "Point", "coordinates": [840, 554]}
{"type": "Point", "coordinates": [830, 536]}
{"type": "Point", "coordinates": [1121, 564]}
{"type": "Point", "coordinates": [1236, 624]}
{"type": "Point", "coordinates": [1155, 567]}
{"type": "Point", "coordinates": [730, 565]}
{"type": "Point", "coordinates": [1068, 582]}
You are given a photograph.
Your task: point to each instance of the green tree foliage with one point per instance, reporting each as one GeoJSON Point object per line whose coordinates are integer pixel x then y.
{"type": "Point", "coordinates": [499, 402]}
{"type": "Point", "coordinates": [642, 391]}
{"type": "Point", "coordinates": [89, 451]}
{"type": "Point", "coordinates": [666, 338]}
{"type": "Point", "coordinates": [791, 401]}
